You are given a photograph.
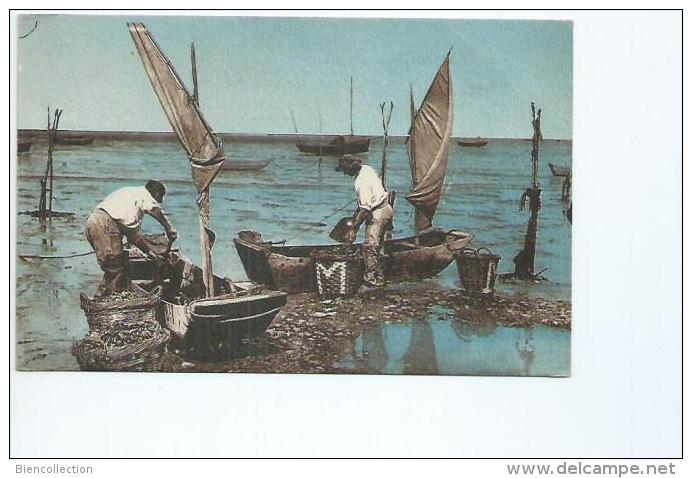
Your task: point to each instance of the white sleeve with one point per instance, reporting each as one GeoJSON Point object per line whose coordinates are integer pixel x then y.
{"type": "Point", "coordinates": [148, 202]}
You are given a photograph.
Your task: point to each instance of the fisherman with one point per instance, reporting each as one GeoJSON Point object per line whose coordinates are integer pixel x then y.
{"type": "Point", "coordinates": [120, 215]}
{"type": "Point", "coordinates": [374, 209]}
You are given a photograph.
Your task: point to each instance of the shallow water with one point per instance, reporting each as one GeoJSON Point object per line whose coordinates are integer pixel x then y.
{"type": "Point", "coordinates": [282, 201]}
{"type": "Point", "coordinates": [454, 347]}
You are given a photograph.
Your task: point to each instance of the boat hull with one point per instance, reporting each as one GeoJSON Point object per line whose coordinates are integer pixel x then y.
{"type": "Point", "coordinates": [559, 171]}
{"type": "Point", "coordinates": [74, 141]}
{"type": "Point", "coordinates": [349, 146]}
{"type": "Point", "coordinates": [472, 144]}
{"type": "Point", "coordinates": [290, 268]}
{"type": "Point", "coordinates": [220, 322]}
{"type": "Point", "coordinates": [244, 164]}
{"type": "Point", "coordinates": [208, 327]}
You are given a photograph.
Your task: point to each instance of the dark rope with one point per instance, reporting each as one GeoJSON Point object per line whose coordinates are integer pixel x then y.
{"type": "Point", "coordinates": [69, 256]}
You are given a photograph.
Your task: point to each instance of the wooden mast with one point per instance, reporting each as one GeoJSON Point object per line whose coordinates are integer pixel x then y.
{"type": "Point", "coordinates": [385, 128]}
{"type": "Point", "coordinates": [206, 235]}
{"type": "Point", "coordinates": [195, 91]}
{"type": "Point", "coordinates": [295, 125]}
{"type": "Point", "coordinates": [416, 239]}
{"type": "Point", "coordinates": [351, 106]}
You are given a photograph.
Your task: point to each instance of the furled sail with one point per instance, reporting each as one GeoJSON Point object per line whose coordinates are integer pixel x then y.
{"type": "Point", "coordinates": [429, 146]}
{"type": "Point", "coordinates": [203, 147]}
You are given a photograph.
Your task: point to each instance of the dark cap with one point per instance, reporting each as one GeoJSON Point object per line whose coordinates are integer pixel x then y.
{"type": "Point", "coordinates": [156, 189]}
{"type": "Point", "coordinates": [348, 161]}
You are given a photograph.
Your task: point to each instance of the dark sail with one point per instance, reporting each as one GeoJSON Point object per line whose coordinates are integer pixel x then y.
{"type": "Point", "coordinates": [429, 146]}
{"type": "Point", "coordinates": [204, 149]}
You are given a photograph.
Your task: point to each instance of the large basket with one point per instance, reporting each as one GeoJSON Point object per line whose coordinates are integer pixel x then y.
{"type": "Point", "coordinates": [338, 274]}
{"type": "Point", "coordinates": [478, 270]}
{"type": "Point", "coordinates": [103, 314]}
{"type": "Point", "coordinates": [177, 318]}
{"type": "Point", "coordinates": [123, 347]}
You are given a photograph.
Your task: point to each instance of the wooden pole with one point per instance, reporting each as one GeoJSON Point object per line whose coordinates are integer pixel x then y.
{"type": "Point", "coordinates": [351, 106]}
{"type": "Point", "coordinates": [383, 174]}
{"type": "Point", "coordinates": [56, 120]}
{"type": "Point", "coordinates": [319, 118]}
{"type": "Point", "coordinates": [385, 128]}
{"type": "Point", "coordinates": [45, 204]}
{"type": "Point", "coordinates": [206, 235]}
{"type": "Point", "coordinates": [524, 261]}
{"type": "Point", "coordinates": [195, 95]}
{"type": "Point", "coordinates": [295, 125]}
{"type": "Point", "coordinates": [412, 160]}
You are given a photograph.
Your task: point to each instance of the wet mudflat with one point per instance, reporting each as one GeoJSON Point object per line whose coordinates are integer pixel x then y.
{"type": "Point", "coordinates": [284, 201]}
{"type": "Point", "coordinates": [433, 327]}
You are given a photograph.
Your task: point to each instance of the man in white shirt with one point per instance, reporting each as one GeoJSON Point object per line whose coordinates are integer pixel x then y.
{"type": "Point", "coordinates": [120, 215]}
{"type": "Point", "coordinates": [373, 209]}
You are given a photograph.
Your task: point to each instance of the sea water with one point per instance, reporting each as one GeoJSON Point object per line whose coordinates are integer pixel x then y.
{"type": "Point", "coordinates": [294, 198]}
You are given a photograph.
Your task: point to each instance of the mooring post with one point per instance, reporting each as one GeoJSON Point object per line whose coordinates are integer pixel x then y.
{"type": "Point", "coordinates": [524, 261]}
{"type": "Point", "coordinates": [386, 118]}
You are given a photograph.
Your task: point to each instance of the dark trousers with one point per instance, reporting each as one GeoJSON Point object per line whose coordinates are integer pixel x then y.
{"type": "Point", "coordinates": [106, 238]}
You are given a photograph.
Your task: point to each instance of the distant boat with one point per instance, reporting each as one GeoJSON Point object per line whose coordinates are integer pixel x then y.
{"type": "Point", "coordinates": [473, 143]}
{"type": "Point", "coordinates": [74, 140]}
{"type": "Point", "coordinates": [338, 146]}
{"type": "Point", "coordinates": [244, 164]}
{"type": "Point", "coordinates": [559, 171]}
{"type": "Point", "coordinates": [24, 147]}
{"type": "Point", "coordinates": [344, 144]}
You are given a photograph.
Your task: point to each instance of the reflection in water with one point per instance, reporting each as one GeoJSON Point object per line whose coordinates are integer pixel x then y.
{"type": "Point", "coordinates": [455, 347]}
{"type": "Point", "coordinates": [527, 352]}
{"type": "Point", "coordinates": [421, 356]}
{"type": "Point", "coordinates": [374, 353]}
{"type": "Point", "coordinates": [46, 229]}
{"type": "Point", "coordinates": [466, 331]}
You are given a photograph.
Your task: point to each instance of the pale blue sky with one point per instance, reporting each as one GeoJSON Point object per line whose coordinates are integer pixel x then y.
{"type": "Point", "coordinates": [254, 71]}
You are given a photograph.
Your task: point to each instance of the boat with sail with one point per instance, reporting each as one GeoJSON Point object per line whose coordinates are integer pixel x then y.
{"type": "Point", "coordinates": [425, 254]}
{"type": "Point", "coordinates": [219, 313]}
{"type": "Point", "coordinates": [337, 146]}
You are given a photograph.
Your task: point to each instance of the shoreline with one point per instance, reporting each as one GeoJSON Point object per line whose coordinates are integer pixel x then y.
{"type": "Point", "coordinates": [39, 135]}
{"type": "Point", "coordinates": [311, 335]}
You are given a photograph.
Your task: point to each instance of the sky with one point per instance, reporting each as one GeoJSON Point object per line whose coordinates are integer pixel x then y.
{"type": "Point", "coordinates": [253, 72]}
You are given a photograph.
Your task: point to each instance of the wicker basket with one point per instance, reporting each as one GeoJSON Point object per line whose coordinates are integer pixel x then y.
{"type": "Point", "coordinates": [102, 314]}
{"type": "Point", "coordinates": [177, 318]}
{"type": "Point", "coordinates": [338, 274]}
{"type": "Point", "coordinates": [94, 353]}
{"type": "Point", "coordinates": [478, 270]}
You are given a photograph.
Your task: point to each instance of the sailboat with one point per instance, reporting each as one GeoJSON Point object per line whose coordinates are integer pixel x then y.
{"type": "Point", "coordinates": [338, 146]}
{"type": "Point", "coordinates": [220, 314]}
{"type": "Point", "coordinates": [426, 254]}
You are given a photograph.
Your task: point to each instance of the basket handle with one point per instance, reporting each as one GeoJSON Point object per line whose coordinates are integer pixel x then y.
{"type": "Point", "coordinates": [481, 248]}
{"type": "Point", "coordinates": [470, 249]}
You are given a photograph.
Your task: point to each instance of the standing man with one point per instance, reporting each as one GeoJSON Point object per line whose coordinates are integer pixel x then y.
{"type": "Point", "coordinates": [373, 209]}
{"type": "Point", "coordinates": [120, 215]}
